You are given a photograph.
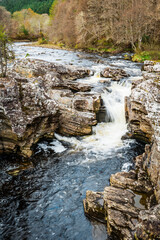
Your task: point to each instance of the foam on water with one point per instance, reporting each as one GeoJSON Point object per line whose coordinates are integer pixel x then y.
{"type": "Point", "coordinates": [45, 202]}
{"type": "Point", "coordinates": [55, 146]}
{"type": "Point", "coordinates": [126, 167]}
{"type": "Point", "coordinates": [106, 135]}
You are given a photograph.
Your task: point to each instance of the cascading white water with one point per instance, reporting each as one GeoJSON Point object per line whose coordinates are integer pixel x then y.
{"type": "Point", "coordinates": [48, 197]}
{"type": "Point", "coordinates": [106, 135]}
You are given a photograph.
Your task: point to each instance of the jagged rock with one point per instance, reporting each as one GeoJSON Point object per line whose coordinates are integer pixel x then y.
{"type": "Point", "coordinates": [130, 203]}
{"type": "Point", "coordinates": [130, 180]}
{"type": "Point", "coordinates": [148, 227]}
{"type": "Point", "coordinates": [137, 180]}
{"type": "Point", "coordinates": [143, 109]}
{"type": "Point", "coordinates": [27, 114]}
{"type": "Point", "coordinates": [115, 74]}
{"type": "Point", "coordinates": [120, 212]}
{"type": "Point", "coordinates": [87, 102]}
{"type": "Point", "coordinates": [35, 68]}
{"type": "Point", "coordinates": [56, 83]}
{"type": "Point", "coordinates": [77, 111]}
{"type": "Point", "coordinates": [105, 81]}
{"type": "Point", "coordinates": [76, 123]}
{"type": "Point", "coordinates": [93, 206]}
{"type": "Point", "coordinates": [152, 167]}
{"type": "Point", "coordinates": [152, 66]}
{"type": "Point", "coordinates": [38, 98]}
{"type": "Point", "coordinates": [143, 113]}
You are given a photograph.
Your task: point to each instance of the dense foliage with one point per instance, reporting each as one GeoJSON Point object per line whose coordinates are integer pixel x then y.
{"type": "Point", "coordinates": [30, 25]}
{"type": "Point", "coordinates": [24, 24]}
{"type": "Point", "coordinates": [39, 6]}
{"type": "Point", "coordinates": [92, 23]}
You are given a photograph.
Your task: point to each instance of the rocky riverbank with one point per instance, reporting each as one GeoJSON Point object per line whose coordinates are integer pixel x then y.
{"type": "Point", "coordinates": [130, 207]}
{"type": "Point", "coordinates": [39, 98]}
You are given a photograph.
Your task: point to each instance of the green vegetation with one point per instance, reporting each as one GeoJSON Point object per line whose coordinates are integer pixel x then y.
{"type": "Point", "coordinates": [24, 30]}
{"type": "Point", "coordinates": [30, 25]}
{"type": "Point", "coordinates": [5, 52]}
{"type": "Point", "coordinates": [42, 40]}
{"type": "Point", "coordinates": [39, 6]}
{"type": "Point", "coordinates": [112, 50]}
{"type": "Point", "coordinates": [52, 8]}
{"type": "Point", "coordinates": [150, 52]}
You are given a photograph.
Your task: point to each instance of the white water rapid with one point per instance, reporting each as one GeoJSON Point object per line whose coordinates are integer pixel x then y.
{"type": "Point", "coordinates": [106, 135]}
{"type": "Point", "coordinates": [44, 201]}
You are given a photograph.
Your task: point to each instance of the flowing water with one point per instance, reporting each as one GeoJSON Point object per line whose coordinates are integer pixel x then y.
{"type": "Point", "coordinates": [42, 198]}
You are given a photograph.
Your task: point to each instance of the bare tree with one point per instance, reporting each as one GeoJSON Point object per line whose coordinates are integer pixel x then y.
{"type": "Point", "coordinates": [89, 22]}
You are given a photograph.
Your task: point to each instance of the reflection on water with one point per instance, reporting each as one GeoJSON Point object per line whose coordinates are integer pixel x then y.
{"type": "Point", "coordinates": [42, 199]}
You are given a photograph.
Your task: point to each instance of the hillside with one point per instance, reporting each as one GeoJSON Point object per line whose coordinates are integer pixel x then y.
{"type": "Point", "coordinates": [39, 6]}
{"type": "Point", "coordinates": [104, 24]}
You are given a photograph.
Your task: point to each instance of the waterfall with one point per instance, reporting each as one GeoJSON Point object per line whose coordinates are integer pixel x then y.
{"type": "Point", "coordinates": [106, 135]}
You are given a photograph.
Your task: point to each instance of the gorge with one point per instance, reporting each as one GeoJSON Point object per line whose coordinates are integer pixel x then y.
{"type": "Point", "coordinates": [63, 95]}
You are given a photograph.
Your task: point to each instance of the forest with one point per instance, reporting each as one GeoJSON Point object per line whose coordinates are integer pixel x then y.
{"type": "Point", "coordinates": [38, 6]}
{"type": "Point", "coordinates": [101, 23]}
{"type": "Point", "coordinates": [105, 26]}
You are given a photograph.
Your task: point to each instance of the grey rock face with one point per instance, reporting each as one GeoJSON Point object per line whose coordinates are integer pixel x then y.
{"type": "Point", "coordinates": [27, 114]}
{"type": "Point", "coordinates": [38, 98]}
{"type": "Point", "coordinates": [143, 111]}
{"type": "Point", "coordinates": [132, 202]}
{"type": "Point", "coordinates": [149, 224]}
{"type": "Point", "coordinates": [114, 73]}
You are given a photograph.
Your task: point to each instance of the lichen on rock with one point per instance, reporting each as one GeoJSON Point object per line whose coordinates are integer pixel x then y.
{"type": "Point", "coordinates": [132, 202]}
{"type": "Point", "coordinates": [38, 98]}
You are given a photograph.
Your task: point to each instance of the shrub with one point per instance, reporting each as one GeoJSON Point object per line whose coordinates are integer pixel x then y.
{"type": "Point", "coordinates": [42, 40]}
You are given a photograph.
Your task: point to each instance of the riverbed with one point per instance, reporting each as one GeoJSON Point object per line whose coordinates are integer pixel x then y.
{"type": "Point", "coordinates": [42, 197]}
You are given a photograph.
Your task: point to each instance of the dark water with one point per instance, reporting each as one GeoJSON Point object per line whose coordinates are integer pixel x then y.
{"type": "Point", "coordinates": [42, 198]}
{"type": "Point", "coordinates": [45, 201]}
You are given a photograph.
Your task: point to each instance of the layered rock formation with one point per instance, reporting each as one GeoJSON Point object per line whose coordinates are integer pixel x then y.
{"type": "Point", "coordinates": [131, 205]}
{"type": "Point", "coordinates": [39, 98]}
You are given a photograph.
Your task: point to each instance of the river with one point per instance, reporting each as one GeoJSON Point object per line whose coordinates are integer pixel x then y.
{"type": "Point", "coordinates": [42, 198]}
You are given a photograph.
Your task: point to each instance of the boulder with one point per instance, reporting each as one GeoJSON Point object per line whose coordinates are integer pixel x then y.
{"type": "Point", "coordinates": [77, 111]}
{"type": "Point", "coordinates": [94, 206]}
{"type": "Point", "coordinates": [35, 68]}
{"type": "Point", "coordinates": [121, 214]}
{"type": "Point", "coordinates": [130, 180]}
{"type": "Point", "coordinates": [152, 66]}
{"type": "Point", "coordinates": [114, 73]}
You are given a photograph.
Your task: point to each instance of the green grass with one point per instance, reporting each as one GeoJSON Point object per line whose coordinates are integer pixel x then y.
{"type": "Point", "coordinates": [104, 49]}
{"type": "Point", "coordinates": [42, 40]}
{"type": "Point", "coordinates": [146, 55]}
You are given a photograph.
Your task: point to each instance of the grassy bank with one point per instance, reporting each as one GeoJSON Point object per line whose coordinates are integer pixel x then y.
{"type": "Point", "coordinates": [148, 52]}
{"type": "Point", "coordinates": [146, 55]}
